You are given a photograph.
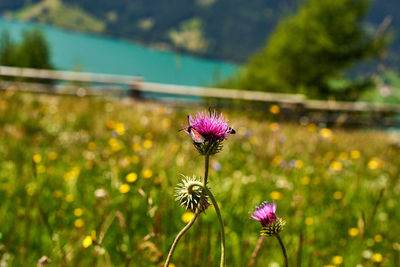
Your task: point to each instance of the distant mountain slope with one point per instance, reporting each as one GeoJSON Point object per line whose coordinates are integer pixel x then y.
{"type": "Point", "coordinates": [226, 29]}
{"type": "Point", "coordinates": [57, 13]}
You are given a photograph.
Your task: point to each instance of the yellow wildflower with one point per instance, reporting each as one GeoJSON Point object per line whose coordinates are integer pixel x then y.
{"type": "Point", "coordinates": [136, 147]}
{"type": "Point", "coordinates": [378, 238]}
{"type": "Point", "coordinates": [325, 133]}
{"type": "Point", "coordinates": [275, 195]}
{"type": "Point", "coordinates": [69, 198]}
{"type": "Point", "coordinates": [79, 223]}
{"type": "Point", "coordinates": [114, 144]}
{"type": "Point", "coordinates": [119, 128]}
{"type": "Point", "coordinates": [312, 127]}
{"type": "Point", "coordinates": [110, 124]}
{"type": "Point", "coordinates": [375, 163]}
{"type": "Point", "coordinates": [343, 156]}
{"type": "Point", "coordinates": [87, 241]}
{"type": "Point", "coordinates": [274, 109]}
{"type": "Point", "coordinates": [147, 173]}
{"type": "Point", "coordinates": [124, 188]}
{"type": "Point", "coordinates": [337, 195]}
{"type": "Point", "coordinates": [147, 144]}
{"type": "Point", "coordinates": [37, 158]}
{"type": "Point", "coordinates": [298, 164]}
{"type": "Point", "coordinates": [309, 221]}
{"type": "Point", "coordinates": [355, 154]}
{"type": "Point", "coordinates": [57, 194]}
{"type": "Point", "coordinates": [337, 260]}
{"type": "Point", "coordinates": [53, 155]}
{"type": "Point", "coordinates": [41, 169]}
{"type": "Point", "coordinates": [305, 180]}
{"type": "Point", "coordinates": [78, 212]}
{"type": "Point", "coordinates": [336, 166]}
{"type": "Point", "coordinates": [131, 177]}
{"type": "Point", "coordinates": [353, 231]}
{"type": "Point", "coordinates": [277, 160]}
{"type": "Point", "coordinates": [377, 257]}
{"type": "Point", "coordinates": [274, 127]}
{"type": "Point", "coordinates": [187, 216]}
{"type": "Point", "coordinates": [91, 145]}
{"type": "Point", "coordinates": [72, 174]}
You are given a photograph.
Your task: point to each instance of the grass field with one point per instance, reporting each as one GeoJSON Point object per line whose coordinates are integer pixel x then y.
{"type": "Point", "coordinates": [90, 182]}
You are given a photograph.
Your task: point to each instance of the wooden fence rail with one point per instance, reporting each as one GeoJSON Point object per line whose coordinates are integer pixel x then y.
{"type": "Point", "coordinates": [121, 85]}
{"type": "Point", "coordinates": [67, 75]}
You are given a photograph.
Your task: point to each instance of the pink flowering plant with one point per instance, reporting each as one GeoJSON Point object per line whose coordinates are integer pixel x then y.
{"type": "Point", "coordinates": [271, 224]}
{"type": "Point", "coordinates": [208, 130]}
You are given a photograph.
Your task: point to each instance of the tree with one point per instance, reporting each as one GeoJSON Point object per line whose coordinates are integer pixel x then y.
{"type": "Point", "coordinates": [32, 52]}
{"type": "Point", "coordinates": [7, 50]}
{"type": "Point", "coordinates": [311, 49]}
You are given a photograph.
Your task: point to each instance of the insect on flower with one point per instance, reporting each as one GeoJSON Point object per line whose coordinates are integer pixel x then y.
{"type": "Point", "coordinates": [196, 137]}
{"type": "Point", "coordinates": [208, 130]}
{"type": "Point", "coordinates": [194, 134]}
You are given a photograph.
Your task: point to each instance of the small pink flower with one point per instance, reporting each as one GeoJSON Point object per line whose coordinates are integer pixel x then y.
{"type": "Point", "coordinates": [265, 213]}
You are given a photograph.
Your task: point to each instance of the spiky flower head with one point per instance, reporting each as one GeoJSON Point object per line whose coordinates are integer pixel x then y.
{"type": "Point", "coordinates": [265, 214]}
{"type": "Point", "coordinates": [189, 194]}
{"type": "Point", "coordinates": [208, 129]}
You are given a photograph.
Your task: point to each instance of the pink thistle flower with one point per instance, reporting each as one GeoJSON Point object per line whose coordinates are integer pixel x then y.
{"type": "Point", "coordinates": [265, 214]}
{"type": "Point", "coordinates": [208, 130]}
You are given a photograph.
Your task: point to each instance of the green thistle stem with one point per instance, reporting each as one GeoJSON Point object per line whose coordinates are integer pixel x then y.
{"type": "Point", "coordinates": [221, 223]}
{"type": "Point", "coordinates": [206, 166]}
{"type": "Point", "coordinates": [283, 249]}
{"type": "Point", "coordinates": [187, 227]}
{"type": "Point", "coordinates": [181, 233]}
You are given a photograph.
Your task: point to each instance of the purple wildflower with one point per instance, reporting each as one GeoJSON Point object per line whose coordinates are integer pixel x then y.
{"type": "Point", "coordinates": [210, 125]}
{"type": "Point", "coordinates": [208, 130]}
{"type": "Point", "coordinates": [271, 224]}
{"type": "Point", "coordinates": [265, 213]}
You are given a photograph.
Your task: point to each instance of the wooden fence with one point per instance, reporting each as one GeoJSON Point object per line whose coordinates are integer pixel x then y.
{"type": "Point", "coordinates": [294, 106]}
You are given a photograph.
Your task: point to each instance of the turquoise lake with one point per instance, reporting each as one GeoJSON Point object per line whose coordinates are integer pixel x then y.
{"type": "Point", "coordinates": [112, 56]}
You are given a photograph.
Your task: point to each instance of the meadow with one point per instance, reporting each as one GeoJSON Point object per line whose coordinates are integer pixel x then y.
{"type": "Point", "coordinates": [90, 182]}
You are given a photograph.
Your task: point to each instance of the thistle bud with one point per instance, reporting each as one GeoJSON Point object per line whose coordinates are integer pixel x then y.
{"type": "Point", "coordinates": [273, 228]}
{"type": "Point", "coordinates": [190, 195]}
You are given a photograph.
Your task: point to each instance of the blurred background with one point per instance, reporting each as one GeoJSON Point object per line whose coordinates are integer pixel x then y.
{"type": "Point", "coordinates": [93, 94]}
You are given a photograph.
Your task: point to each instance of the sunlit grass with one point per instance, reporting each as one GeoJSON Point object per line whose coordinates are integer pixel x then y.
{"type": "Point", "coordinates": [91, 181]}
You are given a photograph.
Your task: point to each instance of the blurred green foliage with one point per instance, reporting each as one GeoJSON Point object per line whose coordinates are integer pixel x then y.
{"type": "Point", "coordinates": [32, 51]}
{"type": "Point", "coordinates": [90, 182]}
{"type": "Point", "coordinates": [310, 50]}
